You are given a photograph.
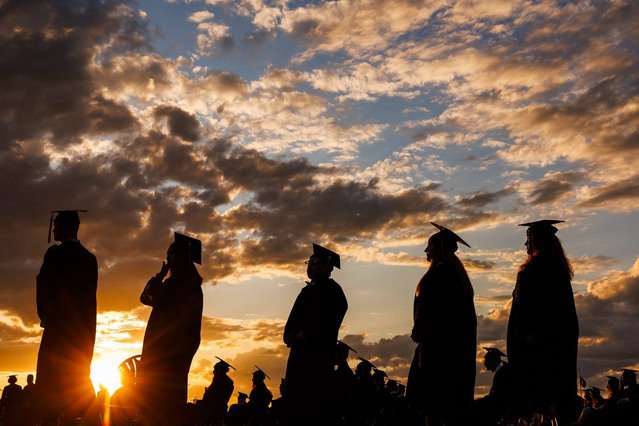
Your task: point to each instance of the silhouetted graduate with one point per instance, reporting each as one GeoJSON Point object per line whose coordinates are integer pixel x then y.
{"type": "Point", "coordinates": [494, 406]}
{"type": "Point", "coordinates": [343, 378]}
{"type": "Point", "coordinates": [311, 333]}
{"type": "Point", "coordinates": [259, 398]}
{"type": "Point", "coordinates": [11, 403]}
{"type": "Point", "coordinates": [238, 414]}
{"type": "Point", "coordinates": [29, 402]}
{"type": "Point", "coordinates": [66, 301]}
{"type": "Point", "coordinates": [441, 380]}
{"type": "Point", "coordinates": [543, 329]}
{"type": "Point", "coordinates": [28, 392]}
{"type": "Point", "coordinates": [172, 334]}
{"type": "Point", "coordinates": [217, 396]}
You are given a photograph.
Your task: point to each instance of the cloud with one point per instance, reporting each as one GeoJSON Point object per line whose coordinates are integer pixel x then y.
{"type": "Point", "coordinates": [366, 26]}
{"type": "Point", "coordinates": [621, 195]}
{"type": "Point", "coordinates": [52, 93]}
{"type": "Point", "coordinates": [181, 123]}
{"type": "Point", "coordinates": [201, 16]}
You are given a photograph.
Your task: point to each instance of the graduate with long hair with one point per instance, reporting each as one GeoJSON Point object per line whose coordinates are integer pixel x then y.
{"type": "Point", "coordinates": [441, 380]}
{"type": "Point", "coordinates": [543, 329]}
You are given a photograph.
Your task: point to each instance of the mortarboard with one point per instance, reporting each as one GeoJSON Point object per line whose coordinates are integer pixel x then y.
{"type": "Point", "coordinates": [13, 376]}
{"type": "Point", "coordinates": [261, 372]}
{"type": "Point", "coordinates": [494, 351]}
{"type": "Point", "coordinates": [224, 363]}
{"type": "Point", "coordinates": [194, 245]}
{"type": "Point", "coordinates": [447, 233]}
{"type": "Point", "coordinates": [242, 395]}
{"type": "Point", "coordinates": [612, 378]}
{"type": "Point", "coordinates": [628, 371]}
{"type": "Point", "coordinates": [366, 362]}
{"type": "Point", "coordinates": [326, 254]}
{"type": "Point", "coordinates": [64, 216]}
{"type": "Point", "coordinates": [342, 345]}
{"type": "Point", "coordinates": [544, 226]}
{"type": "Point", "coordinates": [377, 371]}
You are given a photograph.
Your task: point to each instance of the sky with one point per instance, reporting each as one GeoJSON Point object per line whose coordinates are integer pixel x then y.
{"type": "Point", "coordinates": [261, 126]}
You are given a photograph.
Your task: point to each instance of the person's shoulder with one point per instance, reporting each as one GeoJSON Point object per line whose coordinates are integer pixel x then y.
{"type": "Point", "coordinates": [53, 250]}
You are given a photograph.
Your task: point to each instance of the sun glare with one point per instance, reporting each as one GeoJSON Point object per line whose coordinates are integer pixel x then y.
{"type": "Point", "coordinates": [104, 371]}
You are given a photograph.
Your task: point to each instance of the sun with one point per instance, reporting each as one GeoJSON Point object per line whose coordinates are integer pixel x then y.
{"type": "Point", "coordinates": [104, 371]}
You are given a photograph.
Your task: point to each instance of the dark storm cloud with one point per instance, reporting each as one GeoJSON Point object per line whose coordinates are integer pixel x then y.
{"type": "Point", "coordinates": [181, 123]}
{"type": "Point", "coordinates": [46, 85]}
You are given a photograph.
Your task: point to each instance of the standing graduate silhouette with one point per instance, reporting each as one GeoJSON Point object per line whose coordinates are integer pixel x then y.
{"type": "Point", "coordinates": [311, 332]}
{"type": "Point", "coordinates": [172, 334]}
{"type": "Point", "coordinates": [543, 329]}
{"type": "Point", "coordinates": [441, 379]}
{"type": "Point", "coordinates": [67, 307]}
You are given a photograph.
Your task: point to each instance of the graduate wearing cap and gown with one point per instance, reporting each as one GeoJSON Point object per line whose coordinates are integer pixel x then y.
{"type": "Point", "coordinates": [311, 332]}
{"type": "Point", "coordinates": [66, 302]}
{"type": "Point", "coordinates": [172, 334]}
{"type": "Point", "coordinates": [259, 398]}
{"type": "Point", "coordinates": [494, 406]}
{"type": "Point", "coordinates": [11, 402]}
{"type": "Point", "coordinates": [217, 396]}
{"type": "Point", "coordinates": [238, 414]}
{"type": "Point", "coordinates": [342, 388]}
{"type": "Point", "coordinates": [543, 328]}
{"type": "Point", "coordinates": [441, 379]}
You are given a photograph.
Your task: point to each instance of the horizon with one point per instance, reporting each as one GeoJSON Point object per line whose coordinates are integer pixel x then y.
{"type": "Point", "coordinates": [262, 126]}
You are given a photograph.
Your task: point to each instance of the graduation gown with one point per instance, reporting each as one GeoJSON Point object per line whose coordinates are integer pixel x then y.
{"type": "Point", "coordinates": [441, 379]}
{"type": "Point", "coordinates": [543, 331]}
{"type": "Point", "coordinates": [311, 333]}
{"type": "Point", "coordinates": [66, 303]}
{"type": "Point", "coordinates": [171, 339]}
{"type": "Point", "coordinates": [216, 399]}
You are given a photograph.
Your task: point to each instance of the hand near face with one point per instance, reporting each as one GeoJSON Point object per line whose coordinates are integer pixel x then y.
{"type": "Point", "coordinates": [164, 270]}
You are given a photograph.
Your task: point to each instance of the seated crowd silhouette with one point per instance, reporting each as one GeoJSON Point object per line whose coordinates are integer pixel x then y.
{"type": "Point", "coordinates": [534, 382]}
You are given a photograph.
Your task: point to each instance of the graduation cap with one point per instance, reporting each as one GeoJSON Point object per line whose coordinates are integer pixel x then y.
{"type": "Point", "coordinates": [194, 246]}
{"type": "Point", "coordinates": [544, 226]}
{"type": "Point", "coordinates": [377, 371]}
{"type": "Point", "coordinates": [261, 372]}
{"type": "Point", "coordinates": [366, 362]}
{"type": "Point", "coordinates": [450, 235]}
{"type": "Point", "coordinates": [326, 255]}
{"type": "Point", "coordinates": [494, 351]}
{"type": "Point", "coordinates": [613, 378]}
{"type": "Point", "coordinates": [13, 377]}
{"type": "Point", "coordinates": [343, 346]}
{"type": "Point", "coordinates": [70, 217]}
{"type": "Point", "coordinates": [242, 395]}
{"type": "Point", "coordinates": [224, 363]}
